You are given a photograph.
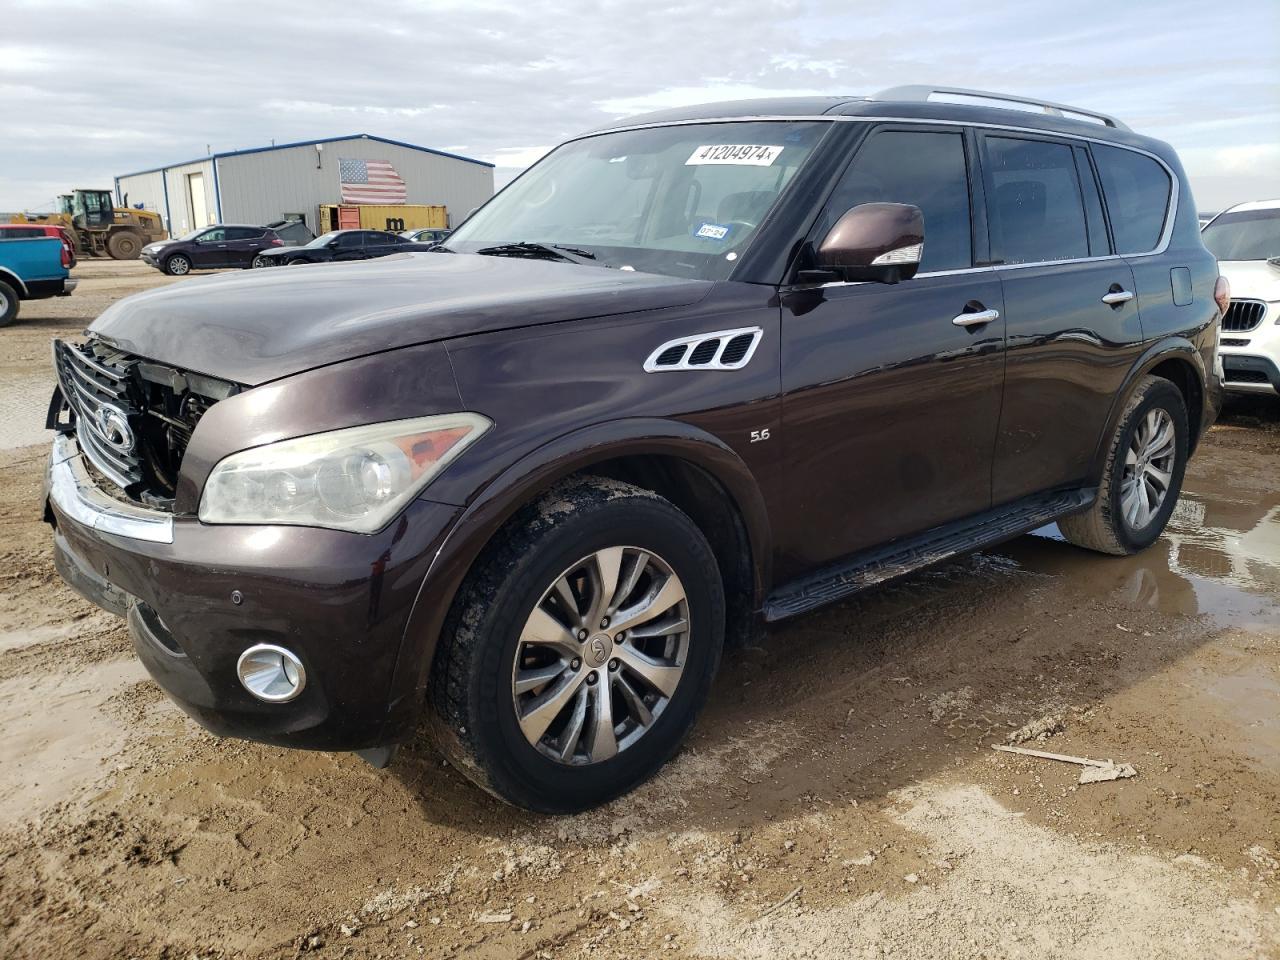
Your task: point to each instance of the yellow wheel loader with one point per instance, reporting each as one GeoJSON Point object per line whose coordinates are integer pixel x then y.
{"type": "Point", "coordinates": [101, 229]}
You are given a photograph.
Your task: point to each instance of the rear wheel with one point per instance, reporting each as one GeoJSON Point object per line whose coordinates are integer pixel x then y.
{"type": "Point", "coordinates": [124, 245]}
{"type": "Point", "coordinates": [178, 265]}
{"type": "Point", "coordinates": [580, 649]}
{"type": "Point", "coordinates": [8, 304]}
{"type": "Point", "coordinates": [1143, 475]}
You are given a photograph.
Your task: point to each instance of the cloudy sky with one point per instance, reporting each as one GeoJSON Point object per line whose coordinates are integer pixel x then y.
{"type": "Point", "coordinates": [93, 89]}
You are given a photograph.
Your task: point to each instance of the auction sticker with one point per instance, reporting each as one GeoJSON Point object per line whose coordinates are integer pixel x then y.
{"type": "Point", "coordinates": [738, 154]}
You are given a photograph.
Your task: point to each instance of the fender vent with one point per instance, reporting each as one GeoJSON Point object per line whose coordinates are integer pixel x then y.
{"type": "Point", "coordinates": [719, 350]}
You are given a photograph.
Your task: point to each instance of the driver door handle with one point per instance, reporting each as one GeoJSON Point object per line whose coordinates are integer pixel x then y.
{"type": "Point", "coordinates": [976, 318]}
{"type": "Point", "coordinates": [1116, 297]}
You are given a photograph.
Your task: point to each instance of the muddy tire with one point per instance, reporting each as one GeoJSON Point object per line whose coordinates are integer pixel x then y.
{"type": "Point", "coordinates": [1143, 475]}
{"type": "Point", "coordinates": [124, 245]}
{"type": "Point", "coordinates": [8, 304]}
{"type": "Point", "coordinates": [540, 699]}
{"type": "Point", "coordinates": [178, 265]}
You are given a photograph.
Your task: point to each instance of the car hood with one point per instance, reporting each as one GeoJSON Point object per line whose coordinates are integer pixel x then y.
{"type": "Point", "coordinates": [265, 324]}
{"type": "Point", "coordinates": [1251, 279]}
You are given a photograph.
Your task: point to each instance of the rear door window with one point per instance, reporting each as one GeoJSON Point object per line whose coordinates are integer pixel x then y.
{"type": "Point", "coordinates": [1137, 190]}
{"type": "Point", "coordinates": [924, 168]}
{"type": "Point", "coordinates": [1035, 207]}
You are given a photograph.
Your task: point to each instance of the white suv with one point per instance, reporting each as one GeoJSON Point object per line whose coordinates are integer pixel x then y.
{"type": "Point", "coordinates": [1246, 241]}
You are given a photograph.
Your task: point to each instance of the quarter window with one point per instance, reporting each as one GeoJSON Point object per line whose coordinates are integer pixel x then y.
{"type": "Point", "coordinates": [923, 168]}
{"type": "Point", "coordinates": [1137, 191]}
{"type": "Point", "coordinates": [1036, 210]}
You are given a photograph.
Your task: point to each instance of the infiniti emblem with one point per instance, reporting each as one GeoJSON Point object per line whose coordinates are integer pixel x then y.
{"type": "Point", "coordinates": [597, 650]}
{"type": "Point", "coordinates": [113, 428]}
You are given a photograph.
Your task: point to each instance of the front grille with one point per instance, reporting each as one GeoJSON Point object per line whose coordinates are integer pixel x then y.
{"type": "Point", "coordinates": [1243, 315]}
{"type": "Point", "coordinates": [1246, 376]}
{"type": "Point", "coordinates": [97, 391]}
{"type": "Point", "coordinates": [133, 418]}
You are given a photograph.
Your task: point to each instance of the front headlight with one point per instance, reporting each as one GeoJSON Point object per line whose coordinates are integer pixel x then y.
{"type": "Point", "coordinates": [355, 479]}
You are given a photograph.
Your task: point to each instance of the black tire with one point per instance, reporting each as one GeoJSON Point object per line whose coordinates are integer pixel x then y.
{"type": "Point", "coordinates": [1104, 527]}
{"type": "Point", "coordinates": [124, 245]}
{"type": "Point", "coordinates": [473, 716]}
{"type": "Point", "coordinates": [8, 304]}
{"type": "Point", "coordinates": [259, 262]}
{"type": "Point", "coordinates": [178, 265]}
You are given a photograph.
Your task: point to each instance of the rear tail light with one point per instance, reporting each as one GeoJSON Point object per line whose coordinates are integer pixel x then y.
{"type": "Point", "coordinates": [1222, 294]}
{"type": "Point", "coordinates": [275, 242]}
{"type": "Point", "coordinates": [66, 254]}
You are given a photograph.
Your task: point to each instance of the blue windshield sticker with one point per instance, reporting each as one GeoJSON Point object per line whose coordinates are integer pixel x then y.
{"type": "Point", "coordinates": [712, 231]}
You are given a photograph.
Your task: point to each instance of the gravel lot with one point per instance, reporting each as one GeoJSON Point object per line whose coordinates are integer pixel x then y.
{"type": "Point", "coordinates": [838, 799]}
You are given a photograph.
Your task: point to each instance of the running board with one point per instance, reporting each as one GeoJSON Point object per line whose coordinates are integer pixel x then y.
{"type": "Point", "coordinates": [898, 559]}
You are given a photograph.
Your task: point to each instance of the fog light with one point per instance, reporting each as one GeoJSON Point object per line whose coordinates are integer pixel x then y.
{"type": "Point", "coordinates": [271, 673]}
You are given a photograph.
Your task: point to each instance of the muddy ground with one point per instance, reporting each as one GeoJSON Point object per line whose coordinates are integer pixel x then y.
{"type": "Point", "coordinates": [838, 799]}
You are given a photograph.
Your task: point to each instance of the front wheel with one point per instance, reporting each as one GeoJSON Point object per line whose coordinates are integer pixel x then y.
{"type": "Point", "coordinates": [580, 649]}
{"type": "Point", "coordinates": [179, 265]}
{"type": "Point", "coordinates": [1143, 475]}
{"type": "Point", "coordinates": [259, 262]}
{"type": "Point", "coordinates": [8, 304]}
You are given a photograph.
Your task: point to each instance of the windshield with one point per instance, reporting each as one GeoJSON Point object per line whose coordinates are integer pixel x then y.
{"type": "Point", "coordinates": [680, 200]}
{"type": "Point", "coordinates": [192, 235]}
{"type": "Point", "coordinates": [1247, 235]}
{"type": "Point", "coordinates": [324, 238]}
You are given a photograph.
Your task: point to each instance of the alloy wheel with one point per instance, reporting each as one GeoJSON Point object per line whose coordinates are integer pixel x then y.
{"type": "Point", "coordinates": [1148, 468]}
{"type": "Point", "coordinates": [179, 266]}
{"type": "Point", "coordinates": [600, 655]}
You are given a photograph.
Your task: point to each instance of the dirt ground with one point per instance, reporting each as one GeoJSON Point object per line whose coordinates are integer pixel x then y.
{"type": "Point", "coordinates": [838, 799]}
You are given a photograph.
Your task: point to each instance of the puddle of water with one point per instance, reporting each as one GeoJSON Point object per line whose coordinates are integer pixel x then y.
{"type": "Point", "coordinates": [1247, 697]}
{"type": "Point", "coordinates": [56, 734]}
{"type": "Point", "coordinates": [1218, 558]}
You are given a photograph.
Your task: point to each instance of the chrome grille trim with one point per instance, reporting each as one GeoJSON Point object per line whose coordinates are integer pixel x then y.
{"type": "Point", "coordinates": [73, 491]}
{"type": "Point", "coordinates": [87, 386]}
{"type": "Point", "coordinates": [1244, 315]}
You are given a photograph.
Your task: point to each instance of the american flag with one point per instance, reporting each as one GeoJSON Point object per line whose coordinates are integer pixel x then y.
{"type": "Point", "coordinates": [370, 181]}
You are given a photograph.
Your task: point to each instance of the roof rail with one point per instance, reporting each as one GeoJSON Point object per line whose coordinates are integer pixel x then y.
{"type": "Point", "coordinates": [922, 92]}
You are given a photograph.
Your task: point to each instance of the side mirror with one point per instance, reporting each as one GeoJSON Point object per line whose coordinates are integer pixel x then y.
{"type": "Point", "coordinates": [880, 242]}
{"type": "Point", "coordinates": [332, 244]}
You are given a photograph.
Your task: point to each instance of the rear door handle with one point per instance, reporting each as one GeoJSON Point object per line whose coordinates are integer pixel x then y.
{"type": "Point", "coordinates": [977, 318]}
{"type": "Point", "coordinates": [1117, 297]}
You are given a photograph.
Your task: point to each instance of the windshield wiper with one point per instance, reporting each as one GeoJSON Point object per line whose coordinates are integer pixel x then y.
{"type": "Point", "coordinates": [538, 251]}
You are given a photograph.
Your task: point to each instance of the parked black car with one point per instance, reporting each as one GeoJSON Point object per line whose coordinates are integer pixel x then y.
{"type": "Point", "coordinates": [211, 248]}
{"type": "Point", "coordinates": [687, 376]}
{"type": "Point", "coordinates": [341, 245]}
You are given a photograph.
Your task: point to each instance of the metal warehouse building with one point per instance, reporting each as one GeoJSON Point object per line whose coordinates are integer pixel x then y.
{"type": "Point", "coordinates": [266, 184]}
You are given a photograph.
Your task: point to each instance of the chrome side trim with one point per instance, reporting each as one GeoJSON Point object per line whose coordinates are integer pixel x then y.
{"type": "Point", "coordinates": [690, 344]}
{"type": "Point", "coordinates": [1171, 214]}
{"type": "Point", "coordinates": [74, 493]}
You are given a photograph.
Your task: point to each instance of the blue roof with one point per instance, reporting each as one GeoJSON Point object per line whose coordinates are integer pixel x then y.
{"type": "Point", "coordinates": [307, 143]}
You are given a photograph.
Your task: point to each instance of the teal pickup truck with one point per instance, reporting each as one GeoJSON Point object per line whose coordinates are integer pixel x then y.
{"type": "Point", "coordinates": [32, 268]}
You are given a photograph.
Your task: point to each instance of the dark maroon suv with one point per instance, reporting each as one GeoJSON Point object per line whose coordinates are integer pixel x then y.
{"type": "Point", "coordinates": [687, 376]}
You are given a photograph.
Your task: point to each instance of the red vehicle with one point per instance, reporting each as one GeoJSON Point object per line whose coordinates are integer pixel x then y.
{"type": "Point", "coordinates": [23, 231]}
